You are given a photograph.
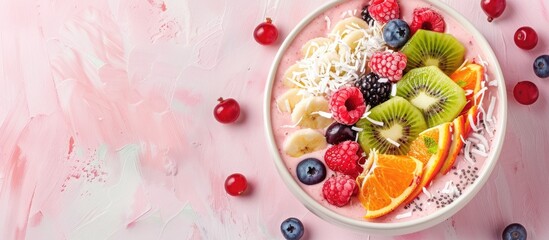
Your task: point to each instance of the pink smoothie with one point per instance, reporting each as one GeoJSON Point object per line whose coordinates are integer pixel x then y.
{"type": "Point", "coordinates": [445, 188]}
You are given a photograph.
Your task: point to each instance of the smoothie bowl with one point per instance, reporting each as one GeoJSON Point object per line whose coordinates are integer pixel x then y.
{"type": "Point", "coordinates": [385, 116]}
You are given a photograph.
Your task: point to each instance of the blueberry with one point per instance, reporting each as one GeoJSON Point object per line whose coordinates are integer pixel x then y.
{"type": "Point", "coordinates": [311, 171]}
{"type": "Point", "coordinates": [338, 132]}
{"type": "Point", "coordinates": [541, 66]}
{"type": "Point", "coordinates": [514, 231]}
{"type": "Point", "coordinates": [396, 33]}
{"type": "Point", "coordinates": [292, 229]}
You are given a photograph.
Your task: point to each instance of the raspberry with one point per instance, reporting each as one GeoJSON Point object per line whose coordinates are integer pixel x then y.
{"type": "Point", "coordinates": [337, 190]}
{"type": "Point", "coordinates": [384, 11]}
{"type": "Point", "coordinates": [344, 158]}
{"type": "Point", "coordinates": [347, 105]}
{"type": "Point", "coordinates": [428, 19]}
{"type": "Point", "coordinates": [388, 64]}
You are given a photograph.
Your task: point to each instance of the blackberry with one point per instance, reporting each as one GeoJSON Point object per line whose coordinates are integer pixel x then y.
{"type": "Point", "coordinates": [373, 91]}
{"type": "Point", "coordinates": [366, 15]}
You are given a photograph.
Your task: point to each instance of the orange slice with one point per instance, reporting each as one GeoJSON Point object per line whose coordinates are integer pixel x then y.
{"type": "Point", "coordinates": [387, 183]}
{"type": "Point", "coordinates": [470, 117]}
{"type": "Point", "coordinates": [458, 126]}
{"type": "Point", "coordinates": [431, 148]}
{"type": "Point", "coordinates": [469, 78]}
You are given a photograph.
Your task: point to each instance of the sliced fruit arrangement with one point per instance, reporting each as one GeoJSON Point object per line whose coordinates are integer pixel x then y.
{"type": "Point", "coordinates": [387, 183]}
{"type": "Point", "coordinates": [469, 78]}
{"type": "Point", "coordinates": [428, 48]}
{"type": "Point", "coordinates": [303, 141]}
{"type": "Point", "coordinates": [458, 126]}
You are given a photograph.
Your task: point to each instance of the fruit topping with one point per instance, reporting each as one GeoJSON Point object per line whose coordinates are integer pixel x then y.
{"type": "Point", "coordinates": [526, 38]}
{"type": "Point", "coordinates": [438, 97]}
{"type": "Point", "coordinates": [311, 171]}
{"type": "Point", "coordinates": [366, 15]}
{"type": "Point", "coordinates": [380, 194]}
{"type": "Point", "coordinates": [396, 33]}
{"type": "Point", "coordinates": [337, 190]}
{"type": "Point", "coordinates": [287, 101]}
{"type": "Point", "coordinates": [526, 92]}
{"type": "Point", "coordinates": [373, 89]}
{"type": "Point", "coordinates": [266, 33]}
{"type": "Point", "coordinates": [338, 132]}
{"type": "Point", "coordinates": [541, 66]}
{"type": "Point", "coordinates": [236, 184]}
{"type": "Point", "coordinates": [348, 25]}
{"type": "Point", "coordinates": [292, 229]}
{"type": "Point", "coordinates": [389, 65]}
{"type": "Point", "coordinates": [427, 19]}
{"type": "Point", "coordinates": [347, 105]}
{"type": "Point", "coordinates": [469, 78]}
{"type": "Point", "coordinates": [303, 141]}
{"type": "Point", "coordinates": [514, 231]}
{"type": "Point", "coordinates": [470, 121]}
{"type": "Point", "coordinates": [384, 10]}
{"type": "Point", "coordinates": [493, 8]}
{"type": "Point", "coordinates": [310, 47]}
{"type": "Point", "coordinates": [306, 113]}
{"type": "Point", "coordinates": [458, 126]}
{"type": "Point", "coordinates": [344, 158]}
{"type": "Point", "coordinates": [428, 48]}
{"type": "Point", "coordinates": [227, 110]}
{"type": "Point", "coordinates": [431, 148]}
{"type": "Point", "coordinates": [391, 127]}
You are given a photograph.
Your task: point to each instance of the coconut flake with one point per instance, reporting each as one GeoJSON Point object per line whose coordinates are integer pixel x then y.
{"type": "Point", "coordinates": [467, 153]}
{"type": "Point", "coordinates": [393, 89]}
{"type": "Point", "coordinates": [426, 192]}
{"type": "Point", "coordinates": [366, 113]}
{"type": "Point", "coordinates": [491, 109]}
{"type": "Point", "coordinates": [374, 121]}
{"type": "Point", "coordinates": [383, 80]}
{"type": "Point", "coordinates": [328, 22]}
{"type": "Point", "coordinates": [323, 114]}
{"type": "Point", "coordinates": [357, 129]}
{"type": "Point", "coordinates": [482, 139]}
{"type": "Point", "coordinates": [393, 141]}
{"type": "Point", "coordinates": [287, 105]}
{"type": "Point", "coordinates": [468, 92]}
{"type": "Point", "coordinates": [478, 152]}
{"type": "Point", "coordinates": [471, 122]}
{"type": "Point", "coordinates": [402, 215]}
{"type": "Point", "coordinates": [462, 139]}
{"type": "Point", "coordinates": [292, 126]}
{"type": "Point", "coordinates": [493, 83]}
{"type": "Point", "coordinates": [446, 188]}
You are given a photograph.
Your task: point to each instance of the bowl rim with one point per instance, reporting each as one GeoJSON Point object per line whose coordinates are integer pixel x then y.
{"type": "Point", "coordinates": [415, 224]}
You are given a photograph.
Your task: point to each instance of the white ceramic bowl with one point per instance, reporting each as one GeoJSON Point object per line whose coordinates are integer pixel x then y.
{"type": "Point", "coordinates": [414, 225]}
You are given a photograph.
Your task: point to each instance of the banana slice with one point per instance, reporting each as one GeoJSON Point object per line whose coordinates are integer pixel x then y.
{"type": "Point", "coordinates": [314, 44]}
{"type": "Point", "coordinates": [350, 42]}
{"type": "Point", "coordinates": [347, 25]}
{"type": "Point", "coordinates": [287, 101]}
{"type": "Point", "coordinates": [303, 141]}
{"type": "Point", "coordinates": [305, 115]}
{"type": "Point", "coordinates": [292, 75]}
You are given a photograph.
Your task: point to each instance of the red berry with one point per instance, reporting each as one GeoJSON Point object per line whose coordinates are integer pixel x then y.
{"type": "Point", "coordinates": [526, 38]}
{"type": "Point", "coordinates": [384, 11]}
{"type": "Point", "coordinates": [347, 105]}
{"type": "Point", "coordinates": [389, 65]}
{"type": "Point", "coordinates": [493, 8]}
{"type": "Point", "coordinates": [344, 158]}
{"type": "Point", "coordinates": [428, 19]}
{"type": "Point", "coordinates": [266, 33]}
{"type": "Point", "coordinates": [227, 110]}
{"type": "Point", "coordinates": [337, 190]}
{"type": "Point", "coordinates": [236, 184]}
{"type": "Point", "coordinates": [526, 92]}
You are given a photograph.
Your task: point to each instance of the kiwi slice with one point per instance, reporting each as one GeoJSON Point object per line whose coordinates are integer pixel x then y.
{"type": "Point", "coordinates": [428, 48]}
{"type": "Point", "coordinates": [401, 124]}
{"type": "Point", "coordinates": [434, 93]}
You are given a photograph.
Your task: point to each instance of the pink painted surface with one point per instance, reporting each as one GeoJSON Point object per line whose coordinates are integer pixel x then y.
{"type": "Point", "coordinates": [106, 126]}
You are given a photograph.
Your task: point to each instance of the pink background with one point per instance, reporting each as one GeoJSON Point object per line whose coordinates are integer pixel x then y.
{"type": "Point", "coordinates": [106, 126]}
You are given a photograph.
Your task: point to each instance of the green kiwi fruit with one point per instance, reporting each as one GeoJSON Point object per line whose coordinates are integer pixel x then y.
{"type": "Point", "coordinates": [402, 123]}
{"type": "Point", "coordinates": [428, 48]}
{"type": "Point", "coordinates": [438, 97]}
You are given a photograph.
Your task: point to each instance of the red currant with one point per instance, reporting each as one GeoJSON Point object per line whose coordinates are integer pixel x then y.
{"type": "Point", "coordinates": [236, 184]}
{"type": "Point", "coordinates": [526, 92]}
{"type": "Point", "coordinates": [493, 8]}
{"type": "Point", "coordinates": [227, 110]}
{"type": "Point", "coordinates": [266, 33]}
{"type": "Point", "coordinates": [526, 38]}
